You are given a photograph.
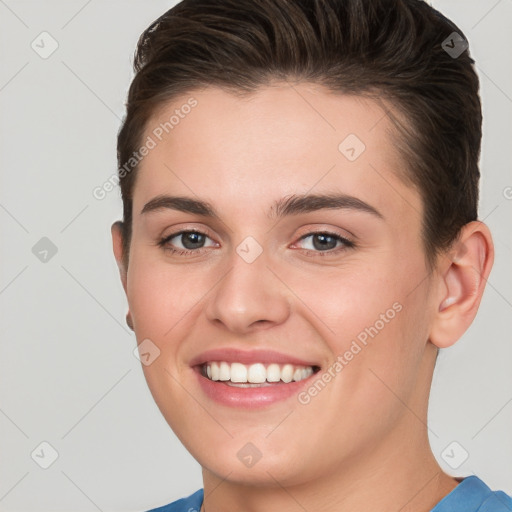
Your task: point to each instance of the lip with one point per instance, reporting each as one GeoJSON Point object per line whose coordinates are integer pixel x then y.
{"type": "Point", "coordinates": [230, 355]}
{"type": "Point", "coordinates": [250, 397]}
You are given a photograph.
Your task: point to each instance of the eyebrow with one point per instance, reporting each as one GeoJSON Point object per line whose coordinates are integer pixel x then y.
{"type": "Point", "coordinates": [292, 205]}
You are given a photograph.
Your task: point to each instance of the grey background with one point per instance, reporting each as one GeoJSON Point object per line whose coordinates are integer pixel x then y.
{"type": "Point", "coordinates": [67, 370]}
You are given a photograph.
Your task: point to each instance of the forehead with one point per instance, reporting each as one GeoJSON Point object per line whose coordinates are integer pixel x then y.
{"type": "Point", "coordinates": [281, 139]}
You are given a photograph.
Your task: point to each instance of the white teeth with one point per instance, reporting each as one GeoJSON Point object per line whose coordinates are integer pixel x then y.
{"type": "Point", "coordinates": [273, 373]}
{"type": "Point", "coordinates": [255, 373]}
{"type": "Point", "coordinates": [287, 373]}
{"type": "Point", "coordinates": [238, 372]}
{"type": "Point", "coordinates": [306, 372]}
{"type": "Point", "coordinates": [224, 371]}
{"type": "Point", "coordinates": [215, 371]}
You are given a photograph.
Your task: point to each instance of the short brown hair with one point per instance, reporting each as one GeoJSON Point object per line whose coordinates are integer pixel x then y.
{"type": "Point", "coordinates": [388, 49]}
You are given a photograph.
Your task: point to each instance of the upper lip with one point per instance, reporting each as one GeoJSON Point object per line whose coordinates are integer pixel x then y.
{"type": "Point", "coordinates": [232, 355]}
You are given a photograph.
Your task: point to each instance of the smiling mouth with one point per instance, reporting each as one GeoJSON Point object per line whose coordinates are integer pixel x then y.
{"type": "Point", "coordinates": [255, 375]}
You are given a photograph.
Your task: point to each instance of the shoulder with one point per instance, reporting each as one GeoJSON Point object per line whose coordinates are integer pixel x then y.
{"type": "Point", "coordinates": [473, 495]}
{"type": "Point", "coordinates": [191, 504]}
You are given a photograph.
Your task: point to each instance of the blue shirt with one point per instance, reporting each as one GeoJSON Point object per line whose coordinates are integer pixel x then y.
{"type": "Point", "coordinates": [471, 495]}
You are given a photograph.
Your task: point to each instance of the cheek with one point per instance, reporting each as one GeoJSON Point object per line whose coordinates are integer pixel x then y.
{"type": "Point", "coordinates": [164, 301]}
{"type": "Point", "coordinates": [348, 303]}
{"type": "Point", "coordinates": [375, 327]}
{"type": "Point", "coordinates": [162, 296]}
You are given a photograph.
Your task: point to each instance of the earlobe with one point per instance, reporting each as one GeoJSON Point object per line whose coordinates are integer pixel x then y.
{"type": "Point", "coordinates": [129, 321]}
{"type": "Point", "coordinates": [117, 245]}
{"type": "Point", "coordinates": [462, 280]}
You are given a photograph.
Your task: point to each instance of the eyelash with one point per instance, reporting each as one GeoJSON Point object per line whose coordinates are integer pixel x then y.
{"type": "Point", "coordinates": [347, 244]}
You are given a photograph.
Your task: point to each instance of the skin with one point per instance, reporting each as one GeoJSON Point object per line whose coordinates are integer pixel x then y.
{"type": "Point", "coordinates": [366, 430]}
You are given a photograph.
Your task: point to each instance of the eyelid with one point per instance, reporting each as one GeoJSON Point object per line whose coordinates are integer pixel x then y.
{"type": "Point", "coordinates": [327, 229]}
{"type": "Point", "coordinates": [164, 240]}
{"type": "Point", "coordinates": [203, 230]}
{"type": "Point", "coordinates": [346, 242]}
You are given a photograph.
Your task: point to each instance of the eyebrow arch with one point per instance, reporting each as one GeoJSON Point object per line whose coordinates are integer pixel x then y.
{"type": "Point", "coordinates": [182, 204]}
{"type": "Point", "coordinates": [292, 205]}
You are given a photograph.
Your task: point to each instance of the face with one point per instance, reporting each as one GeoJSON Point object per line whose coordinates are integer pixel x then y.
{"type": "Point", "coordinates": [276, 268]}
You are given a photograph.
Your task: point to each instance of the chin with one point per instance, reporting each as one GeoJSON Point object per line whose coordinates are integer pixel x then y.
{"type": "Point", "coordinates": [255, 463]}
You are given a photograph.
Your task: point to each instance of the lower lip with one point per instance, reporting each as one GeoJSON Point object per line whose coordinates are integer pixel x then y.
{"type": "Point", "coordinates": [251, 397]}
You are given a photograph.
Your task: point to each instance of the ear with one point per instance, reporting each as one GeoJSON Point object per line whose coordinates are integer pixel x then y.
{"type": "Point", "coordinates": [463, 274]}
{"type": "Point", "coordinates": [117, 245]}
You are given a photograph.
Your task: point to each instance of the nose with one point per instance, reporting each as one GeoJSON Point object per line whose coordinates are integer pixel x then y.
{"type": "Point", "coordinates": [248, 298]}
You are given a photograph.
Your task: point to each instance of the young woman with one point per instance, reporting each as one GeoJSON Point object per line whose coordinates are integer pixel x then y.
{"type": "Point", "coordinates": [300, 237]}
